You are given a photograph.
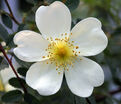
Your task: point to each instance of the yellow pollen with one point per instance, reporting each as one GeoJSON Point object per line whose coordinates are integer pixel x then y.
{"type": "Point", "coordinates": [61, 53]}
{"type": "Point", "coordinates": [77, 47]}
{"type": "Point", "coordinates": [43, 56]}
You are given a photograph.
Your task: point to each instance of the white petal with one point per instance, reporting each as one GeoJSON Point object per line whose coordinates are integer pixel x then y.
{"type": "Point", "coordinates": [31, 46]}
{"type": "Point", "coordinates": [85, 75]}
{"type": "Point", "coordinates": [53, 20]}
{"type": "Point", "coordinates": [8, 87]}
{"type": "Point", "coordinates": [90, 38]}
{"type": "Point", "coordinates": [8, 73]}
{"type": "Point", "coordinates": [44, 78]}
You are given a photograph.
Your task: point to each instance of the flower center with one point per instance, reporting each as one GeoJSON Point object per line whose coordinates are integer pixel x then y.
{"type": "Point", "coordinates": [61, 52]}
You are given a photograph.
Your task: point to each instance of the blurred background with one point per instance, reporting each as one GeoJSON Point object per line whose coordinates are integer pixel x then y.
{"type": "Point", "coordinates": [17, 15]}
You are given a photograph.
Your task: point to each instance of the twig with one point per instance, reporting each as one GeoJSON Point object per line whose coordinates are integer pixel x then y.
{"type": "Point", "coordinates": [10, 63]}
{"type": "Point", "coordinates": [11, 13]}
{"type": "Point", "coordinates": [98, 99]}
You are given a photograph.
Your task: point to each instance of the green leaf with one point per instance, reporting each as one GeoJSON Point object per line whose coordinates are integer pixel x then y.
{"type": "Point", "coordinates": [22, 71]}
{"type": "Point", "coordinates": [12, 96]}
{"type": "Point", "coordinates": [31, 99]}
{"type": "Point", "coordinates": [72, 4]}
{"type": "Point", "coordinates": [92, 99]}
{"type": "Point", "coordinates": [10, 42]}
{"type": "Point", "coordinates": [79, 100]}
{"type": "Point", "coordinates": [15, 83]}
{"type": "Point", "coordinates": [7, 20]}
{"type": "Point", "coordinates": [21, 27]}
{"type": "Point", "coordinates": [3, 33]}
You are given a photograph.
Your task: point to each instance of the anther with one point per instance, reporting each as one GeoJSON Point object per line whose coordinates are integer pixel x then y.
{"type": "Point", "coordinates": [43, 56]}
{"type": "Point", "coordinates": [77, 47]}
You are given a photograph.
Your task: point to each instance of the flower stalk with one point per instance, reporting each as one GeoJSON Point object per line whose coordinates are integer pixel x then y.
{"type": "Point", "coordinates": [10, 63]}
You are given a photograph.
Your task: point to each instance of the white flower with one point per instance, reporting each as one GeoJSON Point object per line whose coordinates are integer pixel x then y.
{"type": "Point", "coordinates": [60, 51]}
{"type": "Point", "coordinates": [7, 74]}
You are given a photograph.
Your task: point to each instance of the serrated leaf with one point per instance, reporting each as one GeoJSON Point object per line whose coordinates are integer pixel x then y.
{"type": "Point", "coordinates": [7, 21]}
{"type": "Point", "coordinates": [3, 33]}
{"type": "Point", "coordinates": [12, 96]}
{"type": "Point", "coordinates": [31, 99]}
{"type": "Point", "coordinates": [15, 83]}
{"type": "Point", "coordinates": [22, 71]}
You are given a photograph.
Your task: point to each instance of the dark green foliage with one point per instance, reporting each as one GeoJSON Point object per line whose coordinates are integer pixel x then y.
{"type": "Point", "coordinates": [92, 99]}
{"type": "Point", "coordinates": [15, 83]}
{"type": "Point", "coordinates": [72, 4]}
{"type": "Point", "coordinates": [22, 71]}
{"type": "Point", "coordinates": [21, 27]}
{"type": "Point", "coordinates": [7, 21]}
{"type": "Point", "coordinates": [10, 42]}
{"type": "Point", "coordinates": [12, 96]}
{"type": "Point", "coordinates": [30, 99]}
{"type": "Point", "coordinates": [3, 33]}
{"type": "Point", "coordinates": [79, 100]}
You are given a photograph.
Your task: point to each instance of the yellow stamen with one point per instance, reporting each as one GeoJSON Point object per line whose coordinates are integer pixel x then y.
{"type": "Point", "coordinates": [61, 52]}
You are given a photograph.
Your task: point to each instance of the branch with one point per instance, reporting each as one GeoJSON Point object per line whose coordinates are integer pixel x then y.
{"type": "Point", "coordinates": [10, 63]}
{"type": "Point", "coordinates": [11, 13]}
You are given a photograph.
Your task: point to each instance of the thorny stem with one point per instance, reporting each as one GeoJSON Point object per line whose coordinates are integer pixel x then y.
{"type": "Point", "coordinates": [10, 63]}
{"type": "Point", "coordinates": [11, 13]}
